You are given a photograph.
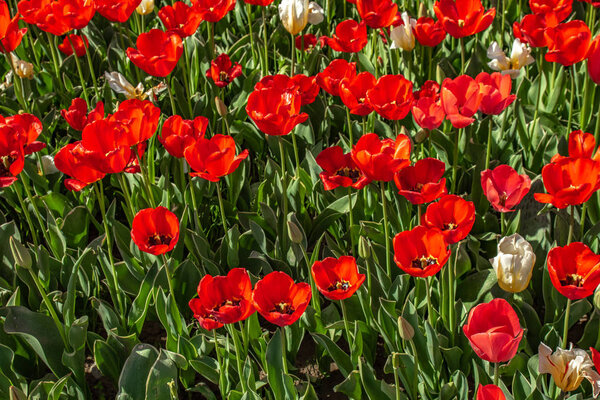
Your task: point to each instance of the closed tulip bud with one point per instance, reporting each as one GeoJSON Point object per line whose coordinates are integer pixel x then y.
{"type": "Point", "coordinates": [364, 247]}
{"type": "Point", "coordinates": [407, 332]}
{"type": "Point", "coordinates": [221, 107]}
{"type": "Point", "coordinates": [20, 253]}
{"type": "Point", "coordinates": [295, 14]}
{"type": "Point", "coordinates": [403, 36]}
{"type": "Point", "coordinates": [16, 394]}
{"type": "Point", "coordinates": [422, 135]}
{"type": "Point", "coordinates": [145, 7]}
{"type": "Point", "coordinates": [294, 232]}
{"type": "Point", "coordinates": [514, 263]}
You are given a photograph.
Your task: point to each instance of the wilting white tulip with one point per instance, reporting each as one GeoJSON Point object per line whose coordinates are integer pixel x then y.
{"type": "Point", "coordinates": [514, 263]}
{"type": "Point", "coordinates": [402, 36]}
{"type": "Point", "coordinates": [295, 14]}
{"type": "Point", "coordinates": [520, 56]}
{"type": "Point", "coordinates": [568, 368]}
{"type": "Point", "coordinates": [47, 165]}
{"type": "Point", "coordinates": [145, 7]}
{"type": "Point", "coordinates": [119, 84]}
{"type": "Point", "coordinates": [23, 69]}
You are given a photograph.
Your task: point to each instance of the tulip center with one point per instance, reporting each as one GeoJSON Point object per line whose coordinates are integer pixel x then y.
{"type": "Point", "coordinates": [418, 187]}
{"type": "Point", "coordinates": [351, 173]}
{"type": "Point", "coordinates": [461, 23]}
{"type": "Point", "coordinates": [424, 262]}
{"type": "Point", "coordinates": [503, 198]}
{"type": "Point", "coordinates": [228, 303]}
{"type": "Point", "coordinates": [340, 285]}
{"type": "Point", "coordinates": [5, 163]}
{"type": "Point", "coordinates": [449, 226]}
{"type": "Point", "coordinates": [573, 280]}
{"type": "Point", "coordinates": [158, 239]}
{"type": "Point", "coordinates": [283, 308]}
{"type": "Point", "coordinates": [223, 77]}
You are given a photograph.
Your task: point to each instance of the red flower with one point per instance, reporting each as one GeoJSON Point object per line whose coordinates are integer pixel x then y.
{"type": "Point", "coordinates": [379, 159]}
{"type": "Point", "coordinates": [178, 133]}
{"type": "Point", "coordinates": [76, 42]}
{"type": "Point", "coordinates": [595, 354]}
{"type": "Point", "coordinates": [222, 71]}
{"type": "Point", "coordinates": [489, 392]}
{"type": "Point", "coordinates": [532, 29]}
{"type": "Point", "coordinates": [574, 270]}
{"type": "Point", "coordinates": [279, 300]}
{"type": "Point", "coordinates": [391, 97]}
{"type": "Point", "coordinates": [72, 160]}
{"type": "Point", "coordinates": [262, 3]}
{"type": "Point", "coordinates": [180, 19]}
{"type": "Point", "coordinates": [353, 92]}
{"type": "Point", "coordinates": [421, 252]}
{"type": "Point", "coordinates": [307, 85]}
{"type": "Point", "coordinates": [377, 13]}
{"type": "Point", "coordinates": [77, 114]}
{"type": "Point", "coordinates": [494, 331]}
{"type": "Point", "coordinates": [570, 181]}
{"type": "Point", "coordinates": [10, 34]}
{"type": "Point", "coordinates": [18, 136]}
{"type": "Point", "coordinates": [422, 183]}
{"type": "Point", "coordinates": [429, 32]}
{"type": "Point", "coordinates": [339, 169]}
{"type": "Point", "coordinates": [581, 145]}
{"type": "Point", "coordinates": [76, 14]}
{"type": "Point", "coordinates": [213, 10]}
{"type": "Point", "coordinates": [462, 18]}
{"type": "Point", "coordinates": [428, 113]}
{"type": "Point", "coordinates": [568, 43]}
{"type": "Point", "coordinates": [107, 147]}
{"type": "Point", "coordinates": [204, 316]}
{"type": "Point", "coordinates": [350, 37]}
{"type": "Point", "coordinates": [274, 105]}
{"type": "Point", "coordinates": [116, 10]}
{"type": "Point", "coordinates": [429, 89]}
{"type": "Point", "coordinates": [228, 299]}
{"type": "Point", "coordinates": [155, 230]}
{"type": "Point", "coordinates": [558, 9]}
{"type": "Point", "coordinates": [139, 118]}
{"type": "Point", "coordinates": [337, 279]}
{"type": "Point", "coordinates": [461, 98]}
{"type": "Point", "coordinates": [213, 158]}
{"type": "Point", "coordinates": [452, 215]}
{"type": "Point", "coordinates": [338, 69]}
{"type": "Point", "coordinates": [305, 42]}
{"type": "Point", "coordinates": [594, 60]}
{"type": "Point", "coordinates": [595, 4]}
{"type": "Point", "coordinates": [504, 187]}
{"type": "Point", "coordinates": [27, 128]}
{"type": "Point", "coordinates": [495, 91]}
{"type": "Point", "coordinates": [157, 52]}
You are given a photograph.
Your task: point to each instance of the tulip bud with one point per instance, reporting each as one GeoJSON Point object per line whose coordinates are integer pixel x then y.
{"type": "Point", "coordinates": [16, 394]}
{"type": "Point", "coordinates": [20, 253]}
{"type": "Point", "coordinates": [221, 107]}
{"type": "Point", "coordinates": [295, 14]}
{"type": "Point", "coordinates": [402, 35]}
{"type": "Point", "coordinates": [145, 7]}
{"type": "Point", "coordinates": [294, 232]}
{"type": "Point", "coordinates": [422, 135]}
{"type": "Point", "coordinates": [407, 332]}
{"type": "Point", "coordinates": [364, 247]}
{"type": "Point", "coordinates": [404, 131]}
{"type": "Point", "coordinates": [514, 263]}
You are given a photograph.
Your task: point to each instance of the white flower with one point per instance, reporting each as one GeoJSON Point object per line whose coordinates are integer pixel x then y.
{"type": "Point", "coordinates": [295, 14]}
{"type": "Point", "coordinates": [514, 263]}
{"type": "Point", "coordinates": [47, 165]}
{"type": "Point", "coordinates": [145, 7]}
{"type": "Point", "coordinates": [23, 69]}
{"type": "Point", "coordinates": [402, 36]}
{"type": "Point", "coordinates": [520, 56]}
{"type": "Point", "coordinates": [568, 368]}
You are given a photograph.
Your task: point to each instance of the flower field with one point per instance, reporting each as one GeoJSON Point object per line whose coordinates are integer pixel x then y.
{"type": "Point", "coordinates": [258, 199]}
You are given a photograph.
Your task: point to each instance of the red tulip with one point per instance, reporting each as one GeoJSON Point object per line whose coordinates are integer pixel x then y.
{"type": "Point", "coordinates": [558, 9]}
{"type": "Point", "coordinates": [213, 158]}
{"type": "Point", "coordinates": [461, 98]}
{"type": "Point", "coordinates": [180, 19]}
{"type": "Point", "coordinates": [338, 69]}
{"type": "Point", "coordinates": [11, 155]}
{"type": "Point", "coordinates": [305, 42]}
{"type": "Point", "coordinates": [422, 183]}
{"type": "Point", "coordinates": [77, 14]}
{"type": "Point", "coordinates": [72, 160]}
{"type": "Point", "coordinates": [379, 159]}
{"type": "Point", "coordinates": [593, 63]}
{"type": "Point", "coordinates": [462, 18]}
{"type": "Point", "coordinates": [568, 43]}
{"type": "Point", "coordinates": [570, 181]}
{"type": "Point", "coordinates": [155, 230]}
{"type": "Point", "coordinates": [581, 145]}
{"type": "Point", "coordinates": [157, 52]}
{"type": "Point", "coordinates": [213, 10]}
{"type": "Point", "coordinates": [77, 114]}
{"type": "Point", "coordinates": [228, 299]}
{"type": "Point", "coordinates": [279, 300]}
{"type": "Point", "coordinates": [495, 91]}
{"type": "Point", "coordinates": [504, 187]}
{"type": "Point", "coordinates": [10, 33]}
{"type": "Point", "coordinates": [350, 37]}
{"type": "Point", "coordinates": [494, 331]}
{"type": "Point", "coordinates": [421, 252]}
{"type": "Point", "coordinates": [594, 3]}
{"type": "Point", "coordinates": [595, 354]}
{"type": "Point", "coordinates": [452, 215]}
{"type": "Point", "coordinates": [178, 133]}
{"type": "Point", "coordinates": [428, 113]}
{"type": "Point", "coordinates": [76, 42]}
{"type": "Point", "coordinates": [25, 130]}
{"type": "Point", "coordinates": [204, 316]}
{"type": "Point", "coordinates": [574, 270]}
{"type": "Point", "coordinates": [337, 279]}
{"type": "Point", "coordinates": [339, 169]}
{"type": "Point", "coordinates": [377, 13]}
{"type": "Point", "coordinates": [140, 119]}
{"type": "Point", "coordinates": [307, 85]}
{"type": "Point", "coordinates": [532, 28]}
{"type": "Point", "coordinates": [222, 71]}
{"type": "Point", "coordinates": [429, 32]}
{"type": "Point", "coordinates": [391, 97]}
{"type": "Point", "coordinates": [47, 15]}
{"type": "Point", "coordinates": [489, 392]}
{"type": "Point", "coordinates": [117, 10]}
{"type": "Point", "coordinates": [107, 146]}
{"type": "Point", "coordinates": [353, 92]}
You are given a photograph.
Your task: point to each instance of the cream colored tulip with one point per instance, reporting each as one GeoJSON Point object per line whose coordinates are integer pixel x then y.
{"type": "Point", "coordinates": [23, 69]}
{"type": "Point", "coordinates": [520, 56]}
{"type": "Point", "coordinates": [403, 36]}
{"type": "Point", "coordinates": [145, 7]}
{"type": "Point", "coordinates": [568, 368]}
{"type": "Point", "coordinates": [514, 263]}
{"type": "Point", "coordinates": [295, 14]}
{"type": "Point", "coordinates": [119, 84]}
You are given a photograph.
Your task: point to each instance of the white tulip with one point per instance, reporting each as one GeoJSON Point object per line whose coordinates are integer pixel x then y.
{"type": "Point", "coordinates": [520, 56]}
{"type": "Point", "coordinates": [23, 69]}
{"type": "Point", "coordinates": [145, 7]}
{"type": "Point", "coordinates": [402, 36]}
{"type": "Point", "coordinates": [47, 165]}
{"type": "Point", "coordinates": [568, 368]}
{"type": "Point", "coordinates": [514, 263]}
{"type": "Point", "coordinates": [295, 14]}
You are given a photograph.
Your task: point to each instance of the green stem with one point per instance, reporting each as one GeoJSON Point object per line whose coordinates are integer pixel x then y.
{"type": "Point", "coordinates": [351, 216]}
{"type": "Point", "coordinates": [91, 68]}
{"type": "Point", "coordinates": [566, 325]}
{"type": "Point", "coordinates": [284, 195]}
{"type": "Point", "coordinates": [462, 56]}
{"type": "Point", "coordinates": [396, 380]}
{"type": "Point", "coordinates": [571, 225]}
{"type": "Point", "coordinates": [347, 326]}
{"type": "Point", "coordinates": [249, 12]}
{"type": "Point", "coordinates": [283, 350]}
{"type": "Point", "coordinates": [51, 44]}
{"type": "Point", "coordinates": [127, 196]}
{"type": "Point", "coordinates": [538, 100]}
{"type": "Point", "coordinates": [194, 204]}
{"type": "Point", "coordinates": [211, 30]}
{"type": "Point", "coordinates": [386, 233]}
{"type": "Point", "coordinates": [220, 362]}
{"type": "Point", "coordinates": [349, 120]}
{"type": "Point", "coordinates": [169, 280]}
{"type": "Point", "coordinates": [489, 144]}
{"type": "Point", "coordinates": [238, 357]}
{"type": "Point", "coordinates": [429, 305]}
{"type": "Point", "coordinates": [293, 51]}
{"type": "Point", "coordinates": [19, 88]}
{"type": "Point", "coordinates": [146, 181]}
{"type": "Point", "coordinates": [186, 80]}
{"type": "Point", "coordinates": [502, 224]}
{"type": "Point", "coordinates": [375, 45]}
{"type": "Point", "coordinates": [59, 326]}
{"type": "Point", "coordinates": [315, 294]}
{"type": "Point", "coordinates": [265, 43]}
{"type": "Point", "coordinates": [171, 99]}
{"type": "Point", "coordinates": [582, 223]}
{"type": "Point", "coordinates": [496, 373]}
{"type": "Point", "coordinates": [37, 212]}
{"type": "Point", "coordinates": [455, 161]}
{"type": "Point", "coordinates": [221, 208]}
{"type": "Point", "coordinates": [296, 157]}
{"type": "Point", "coordinates": [79, 71]}
{"type": "Point", "coordinates": [573, 73]}
{"type": "Point", "coordinates": [27, 217]}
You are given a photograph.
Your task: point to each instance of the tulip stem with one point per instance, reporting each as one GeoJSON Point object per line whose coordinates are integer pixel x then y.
{"type": "Point", "coordinates": [346, 325]}
{"type": "Point", "coordinates": [429, 62]}
{"type": "Point", "coordinates": [27, 217]}
{"type": "Point", "coordinates": [351, 219]}
{"type": "Point", "coordinates": [571, 225]}
{"type": "Point", "coordinates": [566, 324]}
{"type": "Point", "coordinates": [51, 44]}
{"type": "Point", "coordinates": [249, 12]}
{"type": "Point", "coordinates": [502, 224]}
{"type": "Point", "coordinates": [375, 51]}
{"type": "Point", "coordinates": [315, 294]}
{"type": "Point", "coordinates": [211, 35]}
{"type": "Point", "coordinates": [418, 214]}
{"type": "Point", "coordinates": [397, 379]}
{"type": "Point", "coordinates": [59, 326]}
{"type": "Point", "coordinates": [37, 214]}
{"type": "Point", "coordinates": [220, 362]}
{"type": "Point", "coordinates": [429, 305]}
{"type": "Point", "coordinates": [265, 42]}
{"type": "Point", "coordinates": [238, 356]}
{"type": "Point", "coordinates": [496, 373]}
{"type": "Point", "coordinates": [293, 50]}
{"type": "Point", "coordinates": [221, 207]}
{"type": "Point", "coordinates": [79, 70]}
{"type": "Point", "coordinates": [455, 161]}
{"type": "Point", "coordinates": [582, 221]}
{"type": "Point", "coordinates": [91, 68]}
{"type": "Point", "coordinates": [127, 196]}
{"type": "Point", "coordinates": [19, 90]}
{"type": "Point", "coordinates": [284, 196]}
{"type": "Point", "coordinates": [283, 350]}
{"type": "Point", "coordinates": [349, 120]}
{"type": "Point", "coordinates": [386, 232]}
{"type": "Point", "coordinates": [538, 100]}
{"type": "Point", "coordinates": [573, 74]}
{"type": "Point", "coordinates": [462, 55]}
{"type": "Point", "coordinates": [171, 99]}
{"type": "Point", "coordinates": [489, 143]}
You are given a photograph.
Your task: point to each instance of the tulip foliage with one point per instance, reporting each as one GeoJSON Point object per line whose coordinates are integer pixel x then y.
{"type": "Point", "coordinates": [294, 199]}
